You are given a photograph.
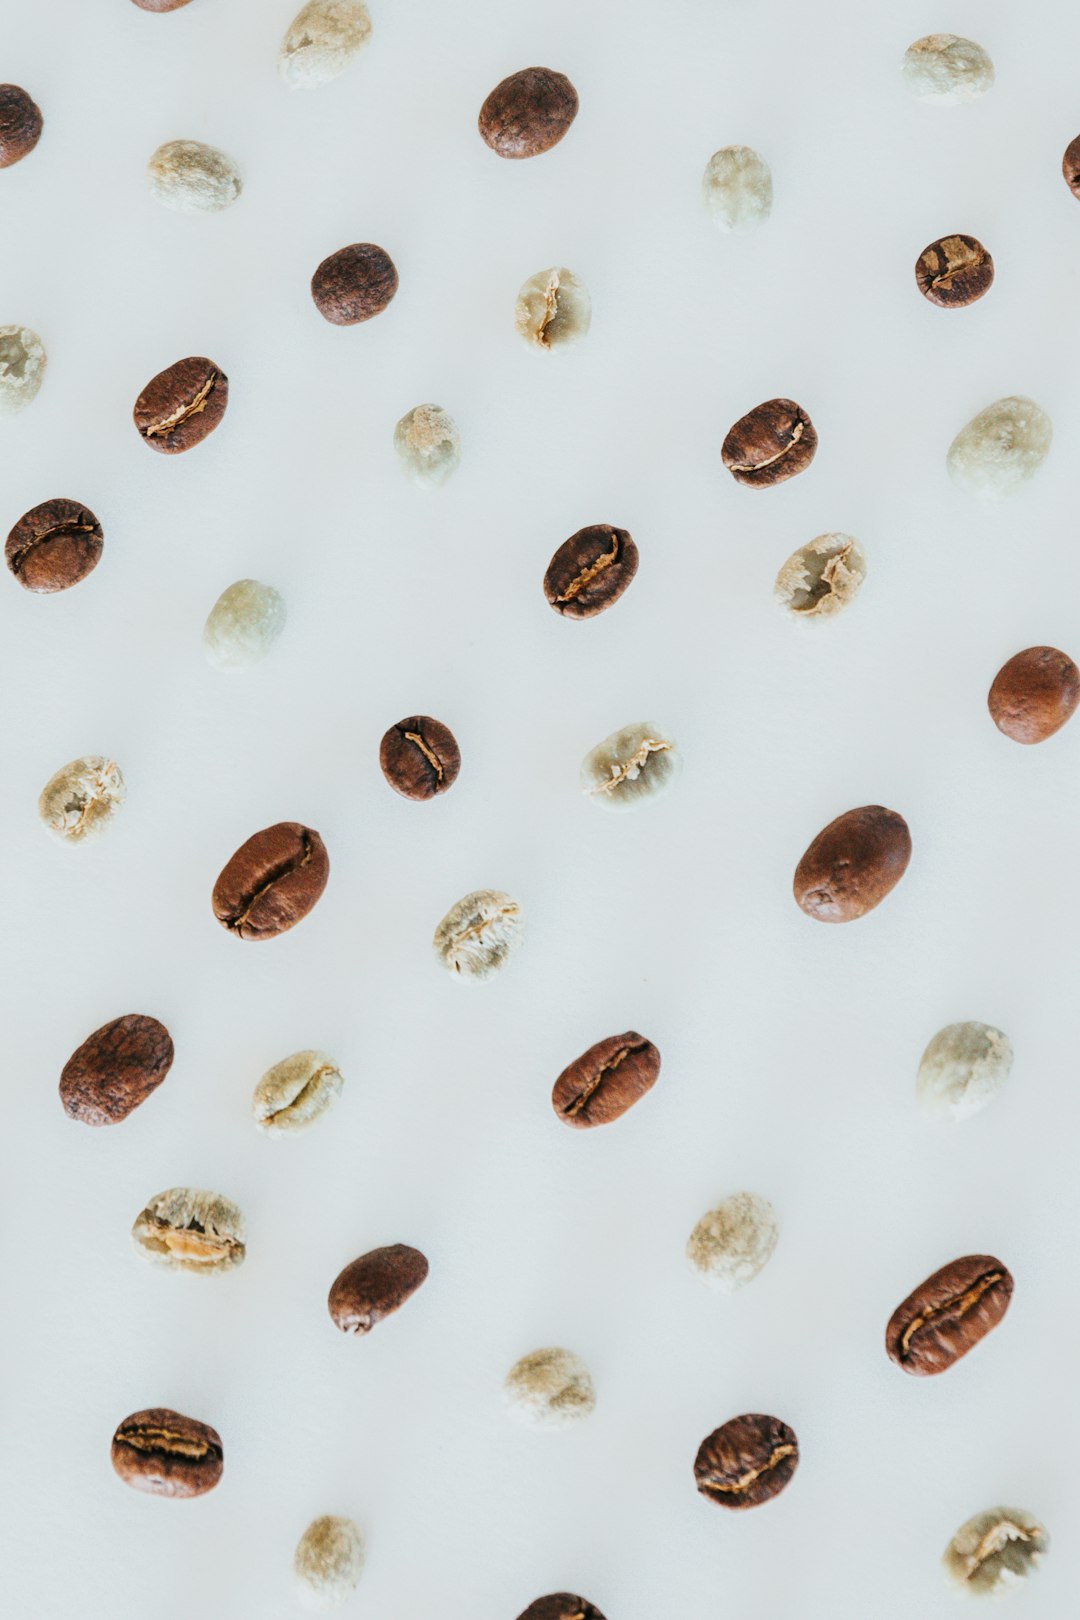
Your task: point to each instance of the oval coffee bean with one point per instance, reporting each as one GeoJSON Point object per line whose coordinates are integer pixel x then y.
{"type": "Point", "coordinates": [295, 1092]}
{"type": "Point", "coordinates": [428, 445]}
{"type": "Point", "coordinates": [549, 1389]}
{"type": "Point", "coordinates": [731, 1244]}
{"type": "Point", "coordinates": [738, 189]}
{"type": "Point", "coordinates": [193, 178]}
{"type": "Point", "coordinates": [22, 368]}
{"type": "Point", "coordinates": [606, 1080]}
{"type": "Point", "coordinates": [272, 881]}
{"type": "Point", "coordinates": [590, 571]}
{"type": "Point", "coordinates": [747, 1461]}
{"type": "Point", "coordinates": [1070, 166]}
{"type": "Point", "coordinates": [553, 309]}
{"type": "Point", "coordinates": [954, 271]}
{"type": "Point", "coordinates": [54, 546]}
{"type": "Point", "coordinates": [354, 284]}
{"type": "Point", "coordinates": [322, 40]}
{"type": "Point", "coordinates": [243, 625]}
{"type": "Point", "coordinates": [20, 124]}
{"type": "Point", "coordinates": [852, 864]}
{"type": "Point", "coordinates": [1001, 449]}
{"type": "Point", "coordinates": [328, 1562]}
{"type": "Point", "coordinates": [948, 69]}
{"type": "Point", "coordinates": [370, 1288]}
{"type": "Point", "coordinates": [963, 1068]}
{"type": "Point", "coordinates": [528, 113]}
{"type": "Point", "coordinates": [79, 800]}
{"type": "Point", "coordinates": [1034, 694]}
{"type": "Point", "coordinates": [994, 1551]}
{"type": "Point", "coordinates": [561, 1606]}
{"type": "Point", "coordinates": [479, 934]}
{"type": "Point", "coordinates": [948, 1314]}
{"type": "Point", "coordinates": [188, 1230]}
{"type": "Point", "coordinates": [167, 1454]}
{"type": "Point", "coordinates": [769, 444]}
{"type": "Point", "coordinates": [181, 405]}
{"type": "Point", "coordinates": [634, 764]}
{"type": "Point", "coordinates": [420, 757]}
{"type": "Point", "coordinates": [115, 1069]}
{"type": "Point", "coordinates": [822, 577]}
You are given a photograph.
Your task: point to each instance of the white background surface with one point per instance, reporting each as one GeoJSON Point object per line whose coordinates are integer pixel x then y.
{"type": "Point", "coordinates": [789, 1048]}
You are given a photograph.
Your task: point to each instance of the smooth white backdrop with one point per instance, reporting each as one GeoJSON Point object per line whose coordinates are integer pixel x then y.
{"type": "Point", "coordinates": [789, 1048]}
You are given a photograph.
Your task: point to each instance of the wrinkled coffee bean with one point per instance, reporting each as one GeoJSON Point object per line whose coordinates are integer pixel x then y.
{"type": "Point", "coordinates": [328, 1562]}
{"type": "Point", "coordinates": [295, 1092]}
{"type": "Point", "coordinates": [635, 764]}
{"type": "Point", "coordinates": [553, 309]}
{"type": "Point", "coordinates": [1001, 449]}
{"type": "Point", "coordinates": [115, 1069]}
{"type": "Point", "coordinates": [420, 757]}
{"type": "Point", "coordinates": [738, 189]}
{"type": "Point", "coordinates": [185, 1229]}
{"type": "Point", "coordinates": [20, 124]}
{"type": "Point", "coordinates": [769, 444]}
{"type": "Point", "coordinates": [747, 1461]}
{"type": "Point", "coordinates": [963, 1068]}
{"type": "Point", "coordinates": [354, 284]}
{"type": "Point", "coordinates": [1070, 166]}
{"type": "Point", "coordinates": [995, 1551]}
{"type": "Point", "coordinates": [528, 113]}
{"type": "Point", "coordinates": [428, 445]}
{"type": "Point", "coordinates": [948, 69]}
{"type": "Point", "coordinates": [272, 881]}
{"type": "Point", "coordinates": [852, 864]}
{"type": "Point", "coordinates": [182, 405]}
{"type": "Point", "coordinates": [193, 178]}
{"type": "Point", "coordinates": [954, 271]}
{"type": "Point", "coordinates": [948, 1314]}
{"type": "Point", "coordinates": [561, 1606]}
{"type": "Point", "coordinates": [1034, 694]}
{"type": "Point", "coordinates": [22, 368]}
{"type": "Point", "coordinates": [590, 571]}
{"type": "Point", "coordinates": [549, 1389]}
{"type": "Point", "coordinates": [731, 1244]}
{"type": "Point", "coordinates": [605, 1081]}
{"type": "Point", "coordinates": [479, 934]}
{"type": "Point", "coordinates": [822, 577]}
{"type": "Point", "coordinates": [370, 1288]}
{"type": "Point", "coordinates": [79, 800]}
{"type": "Point", "coordinates": [167, 1454]}
{"type": "Point", "coordinates": [54, 546]}
{"type": "Point", "coordinates": [322, 40]}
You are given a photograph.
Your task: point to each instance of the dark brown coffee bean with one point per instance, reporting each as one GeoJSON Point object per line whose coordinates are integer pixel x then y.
{"type": "Point", "coordinates": [182, 405]}
{"type": "Point", "coordinates": [772, 442]}
{"type": "Point", "coordinates": [354, 284]}
{"type": "Point", "coordinates": [115, 1069]}
{"type": "Point", "coordinates": [561, 1606]}
{"type": "Point", "coordinates": [167, 1454]}
{"type": "Point", "coordinates": [420, 757]}
{"type": "Point", "coordinates": [948, 1314]}
{"type": "Point", "coordinates": [373, 1286]}
{"type": "Point", "coordinates": [528, 113]}
{"type": "Point", "coordinates": [954, 271]}
{"type": "Point", "coordinates": [590, 571]}
{"type": "Point", "coordinates": [747, 1461]}
{"type": "Point", "coordinates": [1070, 166]}
{"type": "Point", "coordinates": [852, 864]}
{"type": "Point", "coordinates": [272, 881]}
{"type": "Point", "coordinates": [54, 545]}
{"type": "Point", "coordinates": [20, 124]}
{"type": "Point", "coordinates": [606, 1080]}
{"type": "Point", "coordinates": [1034, 694]}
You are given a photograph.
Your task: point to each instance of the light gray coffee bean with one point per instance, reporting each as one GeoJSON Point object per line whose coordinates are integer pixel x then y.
{"type": "Point", "coordinates": [188, 1230]}
{"type": "Point", "coordinates": [22, 367]}
{"type": "Point", "coordinates": [192, 178]}
{"type": "Point", "coordinates": [549, 1389]}
{"type": "Point", "coordinates": [963, 1069]}
{"type": "Point", "coordinates": [731, 1244]}
{"type": "Point", "coordinates": [995, 1551]}
{"type": "Point", "coordinates": [78, 802]}
{"type": "Point", "coordinates": [428, 445]}
{"type": "Point", "coordinates": [479, 934]}
{"type": "Point", "coordinates": [822, 577]}
{"type": "Point", "coordinates": [947, 69]}
{"type": "Point", "coordinates": [738, 188]}
{"type": "Point", "coordinates": [637, 763]}
{"type": "Point", "coordinates": [328, 1563]}
{"type": "Point", "coordinates": [243, 625]}
{"type": "Point", "coordinates": [295, 1092]}
{"type": "Point", "coordinates": [323, 39]}
{"type": "Point", "coordinates": [1001, 449]}
{"type": "Point", "coordinates": [553, 309]}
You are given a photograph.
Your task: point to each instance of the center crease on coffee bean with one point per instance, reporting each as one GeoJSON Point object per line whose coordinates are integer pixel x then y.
{"type": "Point", "coordinates": [283, 870]}
{"type": "Point", "coordinates": [587, 575]}
{"type": "Point", "coordinates": [182, 412]}
{"type": "Point", "coordinates": [36, 540]}
{"type": "Point", "coordinates": [744, 1480]}
{"type": "Point", "coordinates": [598, 1079]}
{"type": "Point", "coordinates": [961, 1302]}
{"type": "Point", "coordinates": [770, 461]}
{"type": "Point", "coordinates": [484, 922]}
{"type": "Point", "coordinates": [998, 1536]}
{"type": "Point", "coordinates": [163, 1441]}
{"type": "Point", "coordinates": [632, 767]}
{"type": "Point", "coordinates": [432, 759]}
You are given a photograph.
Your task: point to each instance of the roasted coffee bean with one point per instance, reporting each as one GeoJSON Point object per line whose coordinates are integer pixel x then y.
{"type": "Point", "coordinates": [747, 1461]}
{"type": "Point", "coordinates": [954, 271]}
{"type": "Point", "coordinates": [479, 934]}
{"type": "Point", "coordinates": [167, 1454]}
{"type": "Point", "coordinates": [772, 442]}
{"type": "Point", "coordinates": [606, 1080]}
{"type": "Point", "coordinates": [22, 368]}
{"type": "Point", "coordinates": [354, 284]}
{"type": "Point", "coordinates": [115, 1069]}
{"type": "Point", "coordinates": [561, 1606]}
{"type": "Point", "coordinates": [1070, 166]}
{"type": "Point", "coordinates": [296, 1092]}
{"type": "Point", "coordinates": [549, 1389]}
{"type": "Point", "coordinates": [20, 124]}
{"type": "Point", "coordinates": [373, 1286]}
{"type": "Point", "coordinates": [54, 546]}
{"type": "Point", "coordinates": [590, 571]}
{"type": "Point", "coordinates": [1034, 694]}
{"type": "Point", "coordinates": [1001, 449]}
{"type": "Point", "coordinates": [852, 864]}
{"type": "Point", "coordinates": [420, 757]}
{"type": "Point", "coordinates": [185, 1229]}
{"type": "Point", "coordinates": [182, 405]}
{"type": "Point", "coordinates": [328, 1562]}
{"type": "Point", "coordinates": [322, 40]}
{"type": "Point", "coordinates": [528, 113]}
{"type": "Point", "coordinates": [731, 1244]}
{"type": "Point", "coordinates": [79, 800]}
{"type": "Point", "coordinates": [995, 1551]}
{"type": "Point", "coordinates": [948, 1314]}
{"type": "Point", "coordinates": [272, 881]}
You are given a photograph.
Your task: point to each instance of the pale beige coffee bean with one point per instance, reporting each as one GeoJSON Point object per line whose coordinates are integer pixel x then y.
{"type": "Point", "coordinates": [731, 1244]}
{"type": "Point", "coordinates": [428, 445]}
{"type": "Point", "coordinates": [185, 1229]}
{"type": "Point", "coordinates": [962, 1070]}
{"type": "Point", "coordinates": [79, 801]}
{"type": "Point", "coordinates": [822, 577]}
{"type": "Point", "coordinates": [328, 1563]}
{"type": "Point", "coordinates": [636, 763]}
{"type": "Point", "coordinates": [947, 69]}
{"type": "Point", "coordinates": [22, 368]}
{"type": "Point", "coordinates": [553, 310]}
{"type": "Point", "coordinates": [296, 1092]}
{"type": "Point", "coordinates": [192, 178]}
{"type": "Point", "coordinates": [323, 39]}
{"type": "Point", "coordinates": [995, 1551]}
{"type": "Point", "coordinates": [549, 1389]}
{"type": "Point", "coordinates": [243, 625]}
{"type": "Point", "coordinates": [1001, 449]}
{"type": "Point", "coordinates": [738, 189]}
{"type": "Point", "coordinates": [479, 934]}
